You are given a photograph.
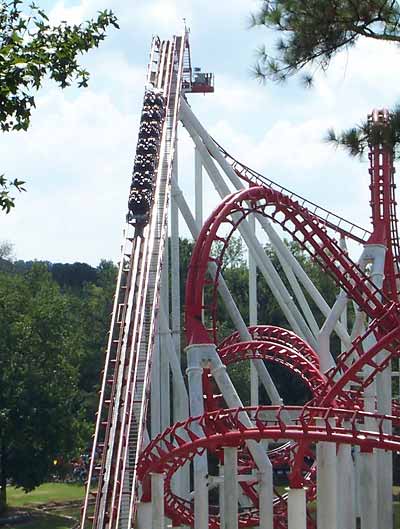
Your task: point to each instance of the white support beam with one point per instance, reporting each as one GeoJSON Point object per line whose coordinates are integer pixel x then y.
{"type": "Point", "coordinates": [144, 515]}
{"type": "Point", "coordinates": [200, 466]}
{"type": "Point", "coordinates": [157, 501]}
{"type": "Point", "coordinates": [198, 188]}
{"type": "Point", "coordinates": [297, 514]}
{"type": "Point", "coordinates": [301, 299]}
{"type": "Point", "coordinates": [253, 316]}
{"type": "Point", "coordinates": [231, 489]}
{"type": "Point", "coordinates": [264, 263]}
{"type": "Point", "coordinates": [155, 397]}
{"type": "Point", "coordinates": [266, 225]}
{"type": "Point", "coordinates": [368, 490]}
{"type": "Point", "coordinates": [326, 486]}
{"type": "Point", "coordinates": [345, 488]}
{"type": "Point", "coordinates": [324, 351]}
{"type": "Point", "coordinates": [230, 304]}
{"type": "Point", "coordinates": [376, 253]}
{"type": "Point", "coordinates": [165, 390]}
{"type": "Point", "coordinates": [265, 497]}
{"type": "Point", "coordinates": [175, 259]}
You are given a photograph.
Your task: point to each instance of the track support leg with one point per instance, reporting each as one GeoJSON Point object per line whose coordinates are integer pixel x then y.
{"type": "Point", "coordinates": [200, 465]}
{"type": "Point", "coordinates": [368, 490]}
{"type": "Point", "coordinates": [297, 518]}
{"type": "Point", "coordinates": [231, 488]}
{"type": "Point", "coordinates": [326, 486]}
{"type": "Point", "coordinates": [345, 488]}
{"type": "Point", "coordinates": [144, 515]}
{"type": "Point", "coordinates": [157, 500]}
{"type": "Point", "coordinates": [265, 493]}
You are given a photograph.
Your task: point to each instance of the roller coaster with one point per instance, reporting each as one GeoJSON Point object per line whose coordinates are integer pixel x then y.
{"type": "Point", "coordinates": [176, 447]}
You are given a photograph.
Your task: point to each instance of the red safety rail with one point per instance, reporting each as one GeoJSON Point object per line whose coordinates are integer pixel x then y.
{"type": "Point", "coordinates": [276, 335]}
{"type": "Point", "coordinates": [328, 218]}
{"type": "Point", "coordinates": [275, 353]}
{"type": "Point", "coordinates": [348, 371]}
{"type": "Point", "coordinates": [181, 442]}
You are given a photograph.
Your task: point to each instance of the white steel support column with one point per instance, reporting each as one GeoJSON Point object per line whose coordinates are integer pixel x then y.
{"type": "Point", "coordinates": [253, 316]}
{"type": "Point", "coordinates": [180, 407]}
{"type": "Point", "coordinates": [315, 295]}
{"type": "Point", "coordinates": [301, 299]}
{"type": "Point", "coordinates": [265, 498]}
{"type": "Point", "coordinates": [144, 515]}
{"type": "Point", "coordinates": [273, 279]}
{"type": "Point", "coordinates": [157, 500]}
{"type": "Point", "coordinates": [324, 352]}
{"type": "Point", "coordinates": [368, 490]}
{"type": "Point", "coordinates": [266, 225]}
{"type": "Point", "coordinates": [175, 258]}
{"type": "Point", "coordinates": [297, 514]}
{"type": "Point", "coordinates": [257, 451]}
{"type": "Point", "coordinates": [231, 489]}
{"type": "Point", "coordinates": [230, 305]}
{"type": "Point", "coordinates": [198, 187]}
{"type": "Point", "coordinates": [165, 397]}
{"type": "Point", "coordinates": [181, 479]}
{"type": "Point", "coordinates": [326, 486]}
{"type": "Point", "coordinates": [221, 497]}
{"type": "Point", "coordinates": [155, 389]}
{"type": "Point", "coordinates": [345, 488]}
{"type": "Point", "coordinates": [200, 465]}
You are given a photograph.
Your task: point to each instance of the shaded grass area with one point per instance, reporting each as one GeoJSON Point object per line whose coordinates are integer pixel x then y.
{"type": "Point", "coordinates": [46, 493]}
{"type": "Point", "coordinates": [44, 521]}
{"type": "Point", "coordinates": [54, 499]}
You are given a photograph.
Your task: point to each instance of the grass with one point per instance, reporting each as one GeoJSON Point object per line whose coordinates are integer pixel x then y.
{"type": "Point", "coordinates": [46, 493]}
{"type": "Point", "coordinates": [44, 521]}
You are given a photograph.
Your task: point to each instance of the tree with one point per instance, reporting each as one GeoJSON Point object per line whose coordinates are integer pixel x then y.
{"type": "Point", "coordinates": [313, 31]}
{"type": "Point", "coordinates": [6, 250]}
{"type": "Point", "coordinates": [31, 50]}
{"type": "Point", "coordinates": [39, 373]}
{"type": "Point", "coordinates": [356, 140]}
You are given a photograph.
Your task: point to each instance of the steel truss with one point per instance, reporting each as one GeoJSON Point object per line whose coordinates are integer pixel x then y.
{"type": "Point", "coordinates": [159, 434]}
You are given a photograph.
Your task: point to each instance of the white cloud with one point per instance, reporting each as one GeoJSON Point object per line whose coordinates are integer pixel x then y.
{"type": "Point", "coordinates": [77, 156]}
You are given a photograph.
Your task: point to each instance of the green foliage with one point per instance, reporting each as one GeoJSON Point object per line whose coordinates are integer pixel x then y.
{"type": "Point", "coordinates": [356, 140]}
{"type": "Point", "coordinates": [51, 343]}
{"type": "Point", "coordinates": [7, 201]}
{"type": "Point", "coordinates": [38, 377]}
{"type": "Point", "coordinates": [31, 50]}
{"type": "Point", "coordinates": [312, 32]}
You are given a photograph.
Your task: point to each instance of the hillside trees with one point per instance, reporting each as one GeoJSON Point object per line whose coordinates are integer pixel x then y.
{"type": "Point", "coordinates": [39, 360]}
{"type": "Point", "coordinates": [32, 50]}
{"type": "Point", "coordinates": [52, 340]}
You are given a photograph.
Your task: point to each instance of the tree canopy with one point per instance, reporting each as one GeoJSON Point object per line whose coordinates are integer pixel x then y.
{"type": "Point", "coordinates": [311, 32]}
{"type": "Point", "coordinates": [32, 50]}
{"type": "Point", "coordinates": [356, 140]}
{"type": "Point", "coordinates": [53, 329]}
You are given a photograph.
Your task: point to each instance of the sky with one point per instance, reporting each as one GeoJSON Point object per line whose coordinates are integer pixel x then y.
{"type": "Point", "coordinates": [77, 156]}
